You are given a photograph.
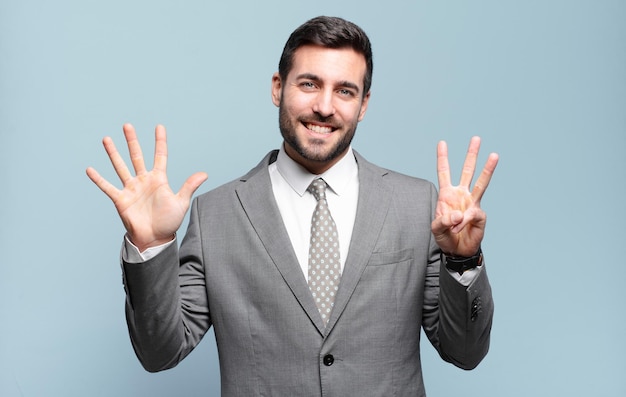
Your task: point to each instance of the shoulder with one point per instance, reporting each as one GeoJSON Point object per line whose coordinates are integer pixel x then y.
{"type": "Point", "coordinates": [259, 175]}
{"type": "Point", "coordinates": [398, 181]}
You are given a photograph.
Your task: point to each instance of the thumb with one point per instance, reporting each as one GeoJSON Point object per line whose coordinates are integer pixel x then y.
{"type": "Point", "coordinates": [456, 217]}
{"type": "Point", "coordinates": [191, 185]}
{"type": "Point", "coordinates": [447, 222]}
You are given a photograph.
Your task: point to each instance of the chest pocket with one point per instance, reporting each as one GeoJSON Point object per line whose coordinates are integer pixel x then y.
{"type": "Point", "coordinates": [390, 258]}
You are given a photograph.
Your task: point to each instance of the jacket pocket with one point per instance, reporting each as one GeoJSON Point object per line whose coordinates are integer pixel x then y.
{"type": "Point", "coordinates": [390, 258]}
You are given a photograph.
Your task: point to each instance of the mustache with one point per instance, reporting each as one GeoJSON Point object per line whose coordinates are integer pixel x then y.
{"type": "Point", "coordinates": [318, 118]}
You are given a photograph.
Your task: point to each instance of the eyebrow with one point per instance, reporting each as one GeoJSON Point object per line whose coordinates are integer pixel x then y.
{"type": "Point", "coordinates": [344, 83]}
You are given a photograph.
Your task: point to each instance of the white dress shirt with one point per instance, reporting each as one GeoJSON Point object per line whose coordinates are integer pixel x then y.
{"type": "Point", "coordinates": [290, 182]}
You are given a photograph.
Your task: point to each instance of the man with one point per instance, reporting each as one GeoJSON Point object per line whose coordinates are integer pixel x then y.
{"type": "Point", "coordinates": [396, 257]}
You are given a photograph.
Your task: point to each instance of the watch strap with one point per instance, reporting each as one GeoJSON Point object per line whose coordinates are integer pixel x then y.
{"type": "Point", "coordinates": [462, 264]}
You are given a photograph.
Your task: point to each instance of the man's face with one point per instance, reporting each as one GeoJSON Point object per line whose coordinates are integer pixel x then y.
{"type": "Point", "coordinates": [320, 104]}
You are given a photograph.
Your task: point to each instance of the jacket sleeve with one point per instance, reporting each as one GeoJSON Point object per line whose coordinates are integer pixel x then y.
{"type": "Point", "coordinates": [166, 302]}
{"type": "Point", "coordinates": [466, 316]}
{"type": "Point", "coordinates": [457, 319]}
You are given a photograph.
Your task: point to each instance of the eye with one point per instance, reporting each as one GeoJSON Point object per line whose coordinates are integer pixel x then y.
{"type": "Point", "coordinates": [346, 92]}
{"type": "Point", "coordinates": [308, 85]}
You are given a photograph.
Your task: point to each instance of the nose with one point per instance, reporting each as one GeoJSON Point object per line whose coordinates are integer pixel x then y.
{"type": "Point", "coordinates": [323, 103]}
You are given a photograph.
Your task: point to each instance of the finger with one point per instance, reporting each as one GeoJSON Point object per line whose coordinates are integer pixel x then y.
{"type": "Point", "coordinates": [467, 174]}
{"type": "Point", "coordinates": [474, 216]}
{"type": "Point", "coordinates": [160, 148]}
{"type": "Point", "coordinates": [119, 165]}
{"type": "Point", "coordinates": [444, 223]}
{"type": "Point", "coordinates": [191, 185]}
{"type": "Point", "coordinates": [134, 149]}
{"type": "Point", "coordinates": [443, 168]}
{"type": "Point", "coordinates": [485, 177]}
{"type": "Point", "coordinates": [111, 191]}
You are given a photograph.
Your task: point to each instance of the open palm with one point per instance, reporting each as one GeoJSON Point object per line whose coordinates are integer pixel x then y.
{"type": "Point", "coordinates": [150, 211]}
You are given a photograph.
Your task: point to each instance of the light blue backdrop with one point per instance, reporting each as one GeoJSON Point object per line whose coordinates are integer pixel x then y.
{"type": "Point", "coordinates": [543, 82]}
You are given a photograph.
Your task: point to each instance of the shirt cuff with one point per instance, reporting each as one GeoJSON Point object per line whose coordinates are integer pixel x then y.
{"type": "Point", "coordinates": [131, 254]}
{"type": "Point", "coordinates": [467, 277]}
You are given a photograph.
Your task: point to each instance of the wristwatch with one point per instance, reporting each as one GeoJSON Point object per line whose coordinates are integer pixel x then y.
{"type": "Point", "coordinates": [460, 264]}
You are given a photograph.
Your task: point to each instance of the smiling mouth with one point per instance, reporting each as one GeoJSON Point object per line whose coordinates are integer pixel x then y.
{"type": "Point", "coordinates": [318, 128]}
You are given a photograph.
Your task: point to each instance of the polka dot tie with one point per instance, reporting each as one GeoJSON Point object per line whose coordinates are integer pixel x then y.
{"type": "Point", "coordinates": [324, 265]}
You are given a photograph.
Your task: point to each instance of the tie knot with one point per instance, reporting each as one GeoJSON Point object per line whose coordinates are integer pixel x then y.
{"type": "Point", "coordinates": [318, 189]}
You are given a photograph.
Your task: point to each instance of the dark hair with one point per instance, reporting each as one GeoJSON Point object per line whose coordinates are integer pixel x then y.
{"type": "Point", "coordinates": [329, 32]}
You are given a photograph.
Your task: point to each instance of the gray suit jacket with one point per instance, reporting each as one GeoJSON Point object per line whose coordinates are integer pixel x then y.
{"type": "Point", "coordinates": [236, 270]}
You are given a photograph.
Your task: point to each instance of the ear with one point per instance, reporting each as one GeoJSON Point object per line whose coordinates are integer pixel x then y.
{"type": "Point", "coordinates": [364, 103]}
{"type": "Point", "coordinates": [277, 89]}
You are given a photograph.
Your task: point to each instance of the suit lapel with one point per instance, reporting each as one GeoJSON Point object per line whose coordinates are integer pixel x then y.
{"type": "Point", "coordinates": [374, 199]}
{"type": "Point", "coordinates": [257, 199]}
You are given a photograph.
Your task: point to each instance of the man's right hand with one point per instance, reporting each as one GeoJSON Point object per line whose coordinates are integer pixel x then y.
{"type": "Point", "coordinates": [148, 207]}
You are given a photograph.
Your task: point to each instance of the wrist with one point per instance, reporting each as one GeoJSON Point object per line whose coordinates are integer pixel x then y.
{"type": "Point", "coordinates": [460, 264]}
{"type": "Point", "coordinates": [143, 246]}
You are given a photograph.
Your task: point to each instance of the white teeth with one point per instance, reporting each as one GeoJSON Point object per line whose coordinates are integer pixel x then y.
{"type": "Point", "coordinates": [319, 129]}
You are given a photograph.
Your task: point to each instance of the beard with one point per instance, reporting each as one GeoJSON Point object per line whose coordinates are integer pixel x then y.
{"type": "Point", "coordinates": [315, 150]}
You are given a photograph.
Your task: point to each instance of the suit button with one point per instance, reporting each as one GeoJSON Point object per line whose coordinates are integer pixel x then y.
{"type": "Point", "coordinates": [329, 360]}
{"type": "Point", "coordinates": [476, 308]}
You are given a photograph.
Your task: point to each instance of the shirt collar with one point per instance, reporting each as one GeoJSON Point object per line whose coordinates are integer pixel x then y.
{"type": "Point", "coordinates": [337, 177]}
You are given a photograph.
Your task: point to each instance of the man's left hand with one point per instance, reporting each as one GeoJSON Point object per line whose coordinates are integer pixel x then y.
{"type": "Point", "coordinates": [459, 224]}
